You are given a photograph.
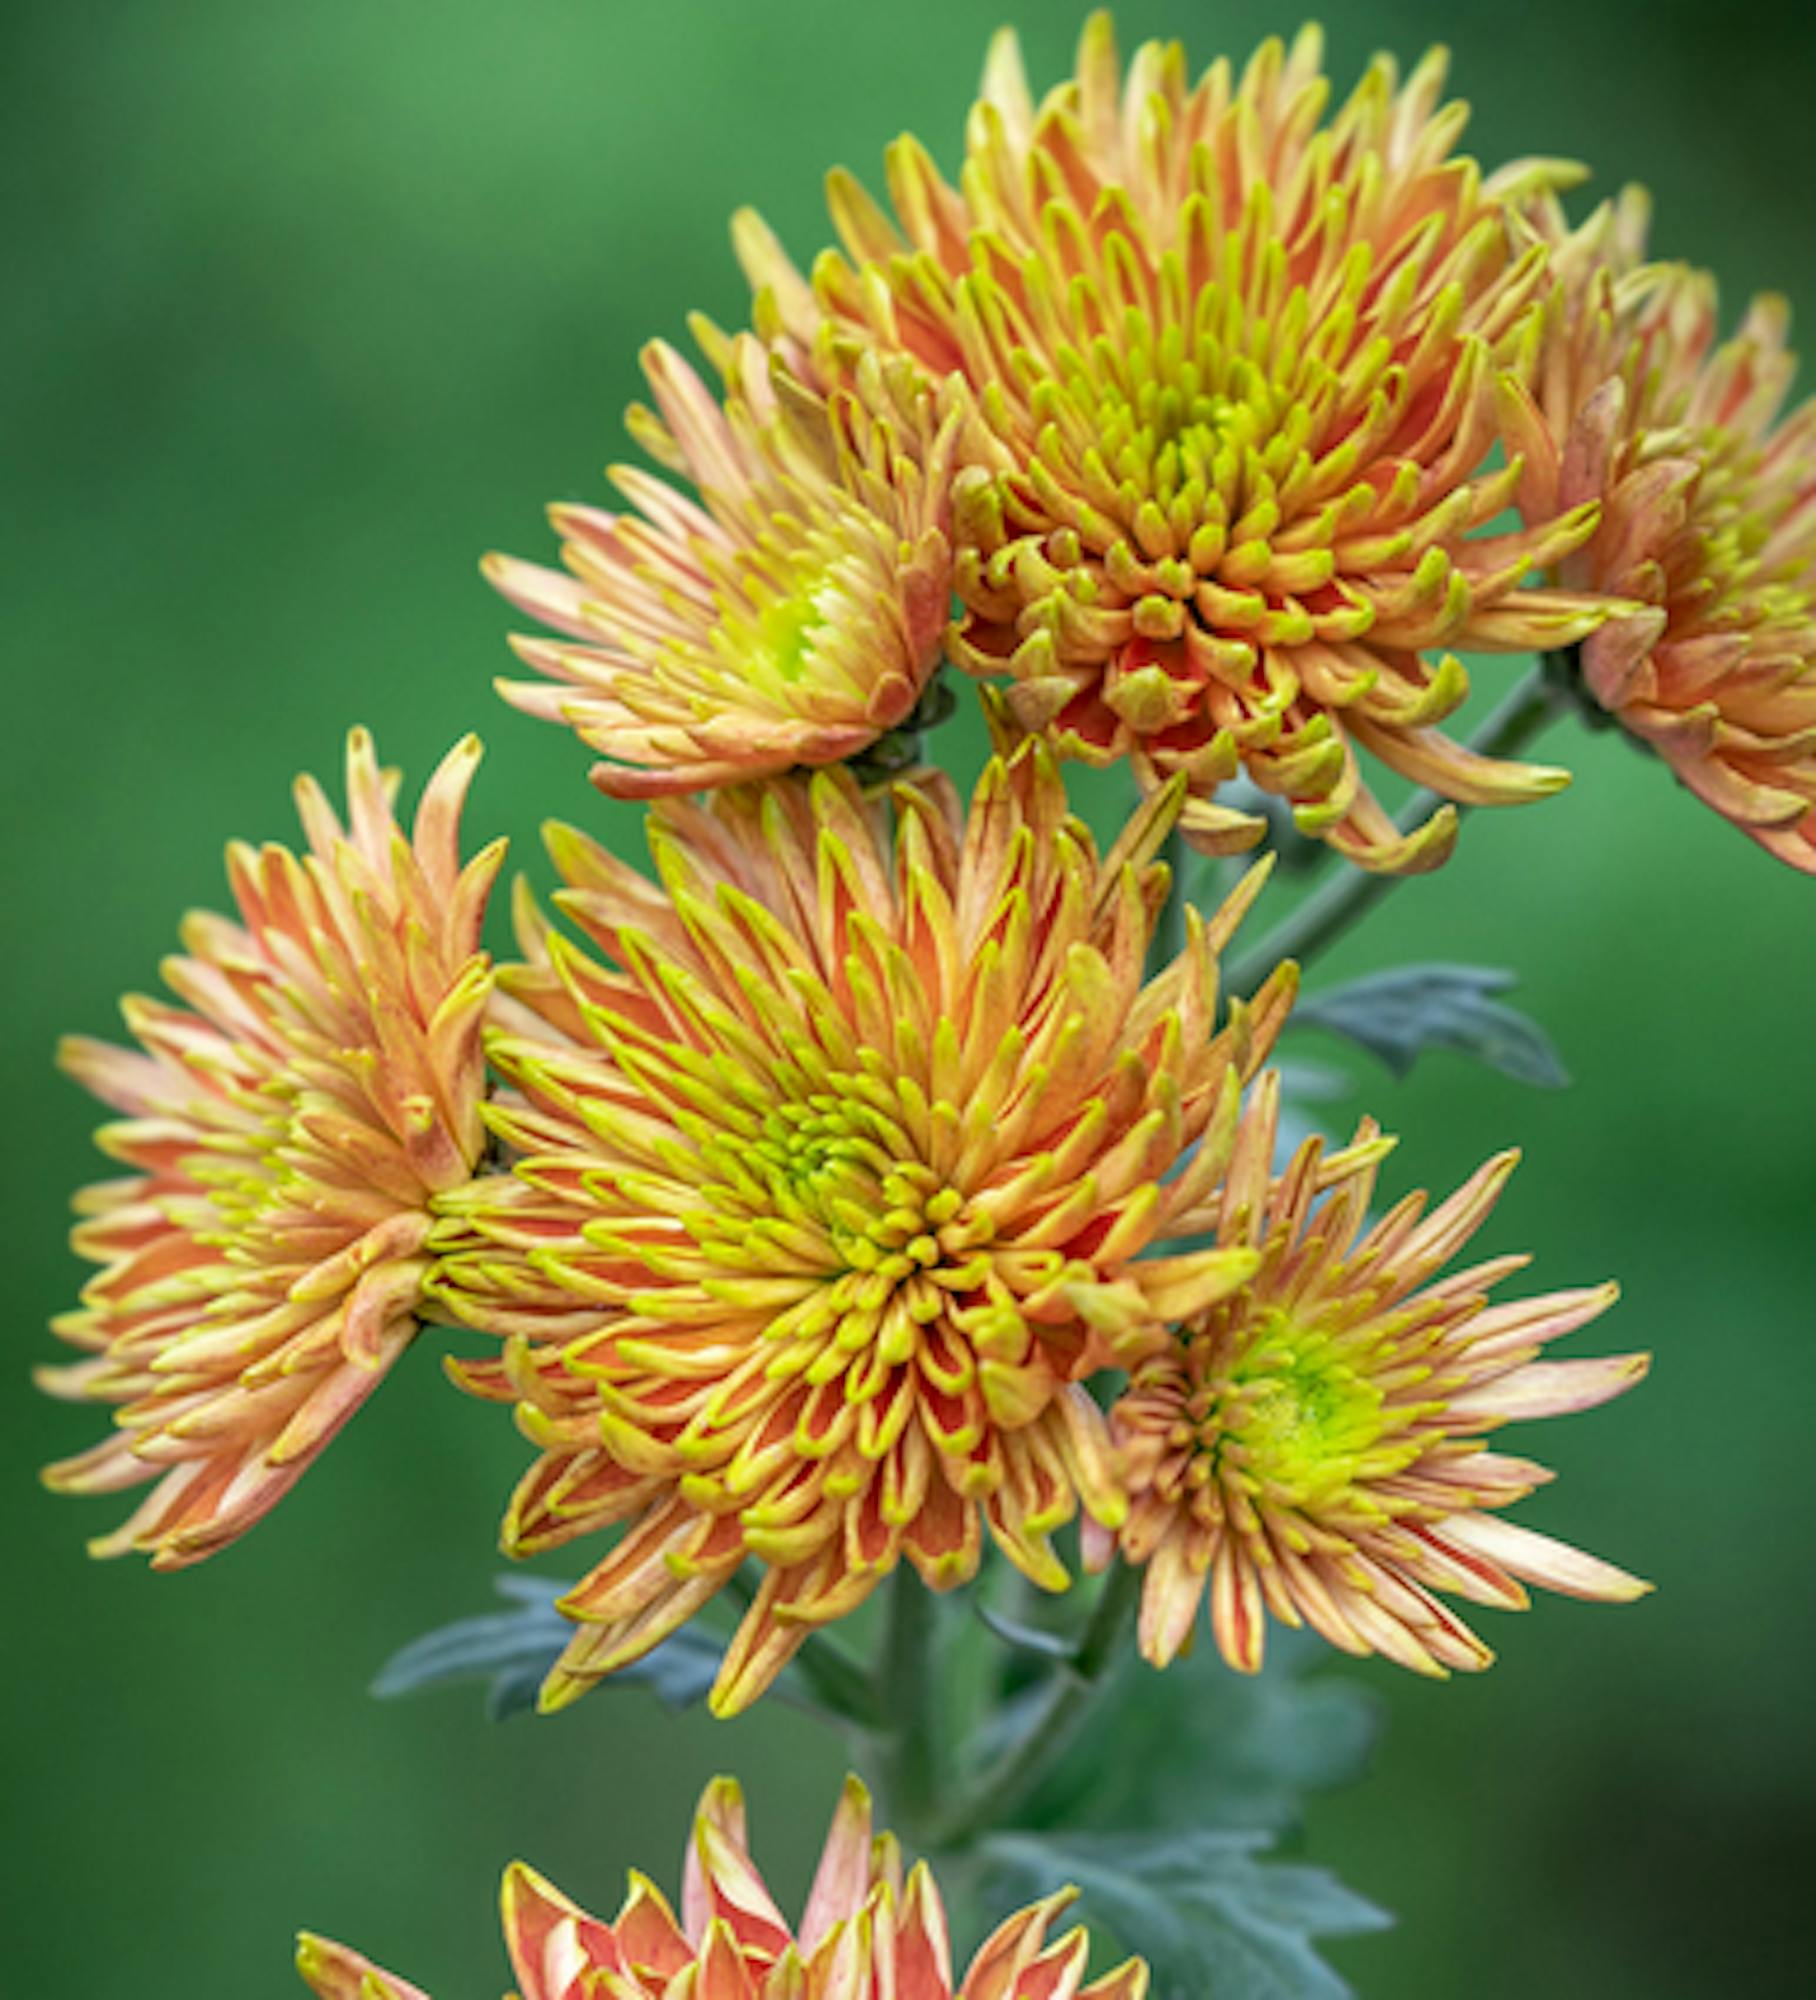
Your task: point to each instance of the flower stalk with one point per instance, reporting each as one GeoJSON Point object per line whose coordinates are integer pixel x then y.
{"type": "Point", "coordinates": [907, 1698]}
{"type": "Point", "coordinates": [1336, 905]}
{"type": "Point", "coordinates": [1008, 1783]}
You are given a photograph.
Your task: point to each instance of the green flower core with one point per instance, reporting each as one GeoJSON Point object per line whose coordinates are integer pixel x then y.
{"type": "Point", "coordinates": [1296, 1416]}
{"type": "Point", "coordinates": [836, 1164]}
{"type": "Point", "coordinates": [789, 630]}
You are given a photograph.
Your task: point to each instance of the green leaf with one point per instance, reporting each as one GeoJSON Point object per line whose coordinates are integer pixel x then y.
{"type": "Point", "coordinates": [1025, 1638]}
{"type": "Point", "coordinates": [1209, 1914]}
{"type": "Point", "coordinates": [514, 1651]}
{"type": "Point", "coordinates": [1395, 1015]}
{"type": "Point", "coordinates": [1201, 1745]}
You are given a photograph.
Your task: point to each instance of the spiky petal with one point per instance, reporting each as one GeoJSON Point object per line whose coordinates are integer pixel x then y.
{"type": "Point", "coordinates": [1228, 499]}
{"type": "Point", "coordinates": [814, 1167]}
{"type": "Point", "coordinates": [335, 1973]}
{"type": "Point", "coordinates": [1708, 502]}
{"type": "Point", "coordinates": [1311, 1447]}
{"type": "Point", "coordinates": [286, 1127]}
{"type": "Point", "coordinates": [868, 1928]}
{"type": "Point", "coordinates": [792, 614]}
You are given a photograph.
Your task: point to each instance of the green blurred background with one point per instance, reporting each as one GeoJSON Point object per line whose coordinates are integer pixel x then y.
{"type": "Point", "coordinates": [310, 306]}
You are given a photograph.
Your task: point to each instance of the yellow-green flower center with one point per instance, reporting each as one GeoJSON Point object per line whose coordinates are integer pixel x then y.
{"type": "Point", "coordinates": [788, 630]}
{"type": "Point", "coordinates": [1295, 1417]}
{"type": "Point", "coordinates": [828, 1160]}
{"type": "Point", "coordinates": [1163, 434]}
{"type": "Point", "coordinates": [776, 606]}
{"type": "Point", "coordinates": [812, 1150]}
{"type": "Point", "coordinates": [1156, 423]}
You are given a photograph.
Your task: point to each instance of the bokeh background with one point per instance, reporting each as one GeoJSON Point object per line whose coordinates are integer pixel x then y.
{"type": "Point", "coordinates": [309, 306]}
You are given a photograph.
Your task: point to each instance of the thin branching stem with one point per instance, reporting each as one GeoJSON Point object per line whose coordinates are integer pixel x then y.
{"type": "Point", "coordinates": [1334, 907]}
{"type": "Point", "coordinates": [1049, 1732]}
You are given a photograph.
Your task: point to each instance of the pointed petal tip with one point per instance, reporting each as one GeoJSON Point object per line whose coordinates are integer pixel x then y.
{"type": "Point", "coordinates": [559, 1690]}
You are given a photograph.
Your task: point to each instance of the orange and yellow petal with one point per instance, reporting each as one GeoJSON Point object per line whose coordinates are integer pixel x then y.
{"type": "Point", "coordinates": [865, 1929]}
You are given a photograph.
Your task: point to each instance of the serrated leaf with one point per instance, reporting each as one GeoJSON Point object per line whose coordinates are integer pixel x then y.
{"type": "Point", "coordinates": [1396, 1015]}
{"type": "Point", "coordinates": [1206, 1910]}
{"type": "Point", "coordinates": [514, 1650]}
{"type": "Point", "coordinates": [1201, 1745]}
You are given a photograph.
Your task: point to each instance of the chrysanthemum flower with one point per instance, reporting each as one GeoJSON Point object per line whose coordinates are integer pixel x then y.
{"type": "Point", "coordinates": [868, 1928]}
{"type": "Point", "coordinates": [1235, 365]}
{"type": "Point", "coordinates": [1312, 1445]}
{"type": "Point", "coordinates": [1708, 517]}
{"type": "Point", "coordinates": [813, 1173]}
{"type": "Point", "coordinates": [286, 1128]}
{"type": "Point", "coordinates": [793, 614]}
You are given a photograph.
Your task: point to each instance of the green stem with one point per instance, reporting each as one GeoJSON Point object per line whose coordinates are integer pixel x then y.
{"type": "Point", "coordinates": [1049, 1732]}
{"type": "Point", "coordinates": [906, 1698]}
{"type": "Point", "coordinates": [1111, 1622]}
{"type": "Point", "coordinates": [1334, 907]}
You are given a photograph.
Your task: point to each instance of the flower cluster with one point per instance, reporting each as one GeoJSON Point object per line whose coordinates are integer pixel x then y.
{"type": "Point", "coordinates": [1207, 403]}
{"type": "Point", "coordinates": [1229, 497]}
{"type": "Point", "coordinates": [287, 1129]}
{"type": "Point", "coordinates": [827, 1184]}
{"type": "Point", "coordinates": [868, 1928]}
{"type": "Point", "coordinates": [891, 1177]}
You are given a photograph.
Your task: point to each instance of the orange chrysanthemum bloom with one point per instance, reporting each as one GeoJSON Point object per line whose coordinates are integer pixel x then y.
{"type": "Point", "coordinates": [1235, 366]}
{"type": "Point", "coordinates": [287, 1127]}
{"type": "Point", "coordinates": [814, 1171]}
{"type": "Point", "coordinates": [868, 1928]}
{"type": "Point", "coordinates": [1311, 1446]}
{"type": "Point", "coordinates": [792, 615]}
{"type": "Point", "coordinates": [1708, 517]}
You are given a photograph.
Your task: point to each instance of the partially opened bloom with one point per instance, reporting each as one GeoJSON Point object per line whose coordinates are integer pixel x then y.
{"type": "Point", "coordinates": [792, 614]}
{"type": "Point", "coordinates": [814, 1169]}
{"type": "Point", "coordinates": [1312, 1446]}
{"type": "Point", "coordinates": [286, 1127]}
{"type": "Point", "coordinates": [869, 1929]}
{"type": "Point", "coordinates": [1227, 502]}
{"type": "Point", "coordinates": [1708, 520]}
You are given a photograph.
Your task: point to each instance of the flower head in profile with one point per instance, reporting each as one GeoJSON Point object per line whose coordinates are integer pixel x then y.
{"type": "Point", "coordinates": [869, 1927]}
{"type": "Point", "coordinates": [285, 1127]}
{"type": "Point", "coordinates": [791, 614]}
{"type": "Point", "coordinates": [816, 1162]}
{"type": "Point", "coordinates": [1708, 520]}
{"type": "Point", "coordinates": [1228, 500]}
{"type": "Point", "coordinates": [1312, 1446]}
